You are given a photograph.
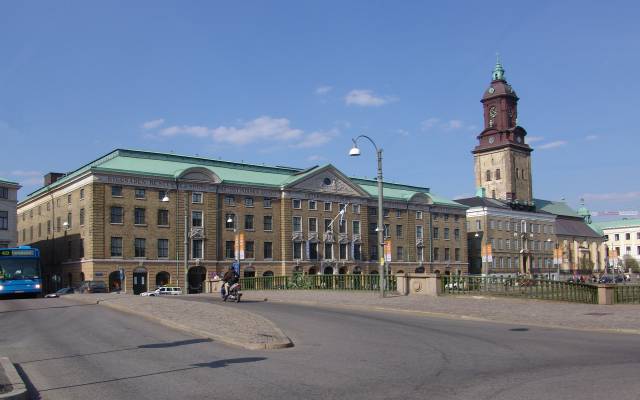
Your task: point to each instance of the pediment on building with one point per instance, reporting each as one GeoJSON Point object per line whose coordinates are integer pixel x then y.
{"type": "Point", "coordinates": [327, 179]}
{"type": "Point", "coordinates": [421, 198]}
{"type": "Point", "coordinates": [198, 174]}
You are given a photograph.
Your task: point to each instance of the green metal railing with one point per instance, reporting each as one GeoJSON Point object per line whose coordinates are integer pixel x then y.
{"type": "Point", "coordinates": [318, 282]}
{"type": "Point", "coordinates": [520, 287]}
{"type": "Point", "coordinates": [629, 294]}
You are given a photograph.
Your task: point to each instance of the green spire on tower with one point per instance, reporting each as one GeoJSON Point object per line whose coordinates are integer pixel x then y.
{"type": "Point", "coordinates": [498, 71]}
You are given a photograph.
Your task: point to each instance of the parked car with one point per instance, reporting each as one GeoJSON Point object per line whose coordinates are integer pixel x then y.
{"type": "Point", "coordinates": [164, 291]}
{"type": "Point", "coordinates": [605, 279]}
{"type": "Point", "coordinates": [92, 287]}
{"type": "Point", "coordinates": [61, 292]}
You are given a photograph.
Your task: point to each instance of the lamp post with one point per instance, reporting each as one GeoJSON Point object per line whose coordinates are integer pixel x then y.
{"type": "Point", "coordinates": [354, 152]}
{"type": "Point", "coordinates": [165, 199]}
{"type": "Point", "coordinates": [236, 239]}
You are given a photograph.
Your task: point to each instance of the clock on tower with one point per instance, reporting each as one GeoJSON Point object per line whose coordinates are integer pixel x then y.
{"type": "Point", "coordinates": [502, 157]}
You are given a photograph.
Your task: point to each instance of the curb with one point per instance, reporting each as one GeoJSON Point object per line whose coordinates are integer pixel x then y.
{"type": "Point", "coordinates": [19, 391]}
{"type": "Point", "coordinates": [283, 343]}
{"type": "Point", "coordinates": [456, 317]}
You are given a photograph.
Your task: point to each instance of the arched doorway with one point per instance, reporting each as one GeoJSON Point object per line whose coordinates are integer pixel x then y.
{"type": "Point", "coordinates": [162, 278]}
{"type": "Point", "coordinates": [420, 270]}
{"type": "Point", "coordinates": [268, 273]}
{"type": "Point", "coordinates": [139, 280]}
{"type": "Point", "coordinates": [313, 271]}
{"type": "Point", "coordinates": [115, 284]}
{"type": "Point", "coordinates": [249, 272]}
{"type": "Point", "coordinates": [196, 278]}
{"type": "Point", "coordinates": [342, 271]}
{"type": "Point", "coordinates": [328, 271]}
{"type": "Point", "coordinates": [436, 271]}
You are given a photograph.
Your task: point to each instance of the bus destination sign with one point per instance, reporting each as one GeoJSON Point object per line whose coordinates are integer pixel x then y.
{"type": "Point", "coordinates": [18, 253]}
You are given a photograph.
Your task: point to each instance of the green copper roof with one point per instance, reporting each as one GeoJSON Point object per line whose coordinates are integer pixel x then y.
{"type": "Point", "coordinates": [498, 71]}
{"type": "Point", "coordinates": [2, 180]}
{"type": "Point", "coordinates": [170, 166]}
{"type": "Point", "coordinates": [620, 223]}
{"type": "Point", "coordinates": [555, 207]}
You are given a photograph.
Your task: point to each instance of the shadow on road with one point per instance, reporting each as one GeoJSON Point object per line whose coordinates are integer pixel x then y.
{"type": "Point", "coordinates": [173, 344]}
{"type": "Point", "coordinates": [44, 308]}
{"type": "Point", "coordinates": [213, 364]}
{"type": "Point", "coordinates": [31, 390]}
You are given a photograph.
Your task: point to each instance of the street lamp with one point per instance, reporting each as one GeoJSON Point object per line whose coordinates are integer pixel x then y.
{"type": "Point", "coordinates": [165, 199]}
{"type": "Point", "coordinates": [236, 239]}
{"type": "Point", "coordinates": [355, 152]}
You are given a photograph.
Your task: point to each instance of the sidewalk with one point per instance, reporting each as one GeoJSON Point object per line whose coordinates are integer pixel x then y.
{"type": "Point", "coordinates": [622, 318]}
{"type": "Point", "coordinates": [226, 324]}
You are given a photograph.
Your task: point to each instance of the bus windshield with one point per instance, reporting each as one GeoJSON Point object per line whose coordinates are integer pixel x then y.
{"type": "Point", "coordinates": [19, 269]}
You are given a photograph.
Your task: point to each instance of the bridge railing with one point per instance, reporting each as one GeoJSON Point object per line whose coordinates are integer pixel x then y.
{"type": "Point", "coordinates": [360, 282]}
{"type": "Point", "coordinates": [629, 294]}
{"type": "Point", "coordinates": [520, 287]}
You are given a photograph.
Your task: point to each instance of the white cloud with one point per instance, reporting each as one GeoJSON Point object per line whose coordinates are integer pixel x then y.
{"type": "Point", "coordinates": [402, 132]}
{"type": "Point", "coordinates": [322, 90]}
{"type": "Point", "coordinates": [366, 98]}
{"type": "Point", "coordinates": [23, 173]}
{"type": "Point", "coordinates": [156, 123]}
{"type": "Point", "coordinates": [612, 196]}
{"type": "Point", "coordinates": [533, 139]}
{"type": "Point", "coordinates": [189, 130]}
{"type": "Point", "coordinates": [553, 145]}
{"type": "Point", "coordinates": [429, 123]}
{"type": "Point", "coordinates": [434, 123]}
{"type": "Point", "coordinates": [316, 139]}
{"type": "Point", "coordinates": [261, 128]}
{"type": "Point", "coordinates": [454, 124]}
{"type": "Point", "coordinates": [591, 137]}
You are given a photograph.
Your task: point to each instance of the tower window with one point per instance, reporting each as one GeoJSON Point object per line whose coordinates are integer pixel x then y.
{"type": "Point", "coordinates": [497, 173]}
{"type": "Point", "coordinates": [488, 175]}
{"type": "Point", "coordinates": [517, 172]}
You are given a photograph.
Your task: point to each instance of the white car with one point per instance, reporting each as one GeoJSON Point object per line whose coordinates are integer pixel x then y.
{"type": "Point", "coordinates": [164, 291]}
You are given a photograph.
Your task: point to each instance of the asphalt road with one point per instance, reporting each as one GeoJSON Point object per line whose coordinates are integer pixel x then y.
{"type": "Point", "coordinates": [72, 351]}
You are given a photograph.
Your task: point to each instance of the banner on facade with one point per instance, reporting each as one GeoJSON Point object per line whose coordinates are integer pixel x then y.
{"type": "Point", "coordinates": [241, 246]}
{"type": "Point", "coordinates": [487, 255]}
{"type": "Point", "coordinates": [387, 250]}
{"type": "Point", "coordinates": [236, 246]}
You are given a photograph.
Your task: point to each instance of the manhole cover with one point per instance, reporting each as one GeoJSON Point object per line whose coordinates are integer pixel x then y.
{"type": "Point", "coordinates": [598, 314]}
{"type": "Point", "coordinates": [519, 329]}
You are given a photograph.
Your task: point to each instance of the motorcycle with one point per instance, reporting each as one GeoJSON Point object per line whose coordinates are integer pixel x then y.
{"type": "Point", "coordinates": [233, 294]}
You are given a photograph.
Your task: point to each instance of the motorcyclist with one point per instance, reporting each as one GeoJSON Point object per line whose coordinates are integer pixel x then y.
{"type": "Point", "coordinates": [230, 278]}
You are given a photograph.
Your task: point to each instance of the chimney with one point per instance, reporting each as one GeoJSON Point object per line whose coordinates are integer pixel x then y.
{"type": "Point", "coordinates": [52, 177]}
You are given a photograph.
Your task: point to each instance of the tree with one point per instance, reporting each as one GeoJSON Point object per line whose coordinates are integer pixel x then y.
{"type": "Point", "coordinates": [631, 263]}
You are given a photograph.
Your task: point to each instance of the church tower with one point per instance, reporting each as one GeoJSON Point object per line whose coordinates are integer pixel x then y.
{"type": "Point", "coordinates": [502, 158]}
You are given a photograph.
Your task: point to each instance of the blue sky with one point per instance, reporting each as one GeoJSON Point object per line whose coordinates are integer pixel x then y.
{"type": "Point", "coordinates": [289, 83]}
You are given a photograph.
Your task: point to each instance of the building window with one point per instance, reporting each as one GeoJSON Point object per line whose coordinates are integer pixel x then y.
{"type": "Point", "coordinates": [356, 208]}
{"type": "Point", "coordinates": [229, 249]}
{"type": "Point", "coordinates": [162, 194]}
{"type": "Point", "coordinates": [627, 236]}
{"type": "Point", "coordinates": [81, 194]}
{"type": "Point", "coordinates": [58, 225]}
{"type": "Point", "coordinates": [400, 253]}
{"type": "Point", "coordinates": [638, 250]}
{"type": "Point", "coordinates": [116, 247]}
{"type": "Point", "coordinates": [327, 206]}
{"type": "Point", "coordinates": [140, 247]}
{"type": "Point", "coordinates": [488, 177]}
{"type": "Point", "coordinates": [456, 254]}
{"type": "Point", "coordinates": [399, 231]}
{"type": "Point", "coordinates": [116, 191]}
{"type": "Point", "coordinates": [69, 220]}
{"type": "Point", "coordinates": [342, 226]}
{"type": "Point", "coordinates": [312, 205]}
{"type": "Point", "coordinates": [446, 233]}
{"type": "Point", "coordinates": [418, 214]}
{"type": "Point", "coordinates": [328, 251]}
{"type": "Point", "coordinates": [248, 222]}
{"type": "Point", "coordinates": [497, 174]}
{"type": "Point", "coordinates": [39, 229]}
{"type": "Point", "coordinates": [313, 251]}
{"type": "Point", "coordinates": [140, 193]}
{"type": "Point", "coordinates": [139, 216]}
{"type": "Point", "coordinates": [230, 221]}
{"type": "Point", "coordinates": [297, 250]}
{"type": "Point", "coordinates": [508, 244]}
{"type": "Point", "coordinates": [248, 201]}
{"type": "Point", "coordinates": [419, 232]}
{"type": "Point", "coordinates": [48, 206]}
{"type": "Point", "coordinates": [4, 220]}
{"type": "Point", "coordinates": [297, 204]}
{"type": "Point", "coordinates": [499, 225]}
{"type": "Point", "coordinates": [81, 216]}
{"type": "Point", "coordinates": [387, 231]}
{"type": "Point", "coordinates": [436, 233]}
{"type": "Point", "coordinates": [398, 213]}
{"type": "Point", "coordinates": [327, 225]}
{"type": "Point", "coordinates": [48, 227]}
{"type": "Point", "coordinates": [638, 235]}
{"type": "Point", "coordinates": [478, 225]}
{"type": "Point", "coordinates": [163, 248]}
{"type": "Point", "coordinates": [268, 223]}
{"type": "Point", "coordinates": [356, 227]}
{"type": "Point", "coordinates": [266, 202]}
{"type": "Point", "coordinates": [373, 251]}
{"type": "Point", "coordinates": [313, 225]}
{"type": "Point", "coordinates": [343, 251]}
{"type": "Point", "coordinates": [163, 217]}
{"type": "Point", "coordinates": [617, 237]}
{"type": "Point", "coordinates": [249, 251]}
{"type": "Point", "coordinates": [373, 228]}
{"type": "Point", "coordinates": [447, 256]}
{"type": "Point", "coordinates": [373, 211]}
{"type": "Point", "coordinates": [4, 193]}
{"type": "Point", "coordinates": [357, 252]}
{"type": "Point", "coordinates": [196, 248]}
{"type": "Point", "coordinates": [196, 219]}
{"type": "Point", "coordinates": [196, 197]}
{"type": "Point", "coordinates": [268, 250]}
{"type": "Point", "coordinates": [436, 254]}
{"type": "Point", "coordinates": [229, 200]}
{"type": "Point", "coordinates": [434, 216]}
{"type": "Point", "coordinates": [297, 224]}
{"type": "Point", "coordinates": [385, 212]}
{"type": "Point", "coordinates": [456, 234]}
{"type": "Point", "coordinates": [68, 201]}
